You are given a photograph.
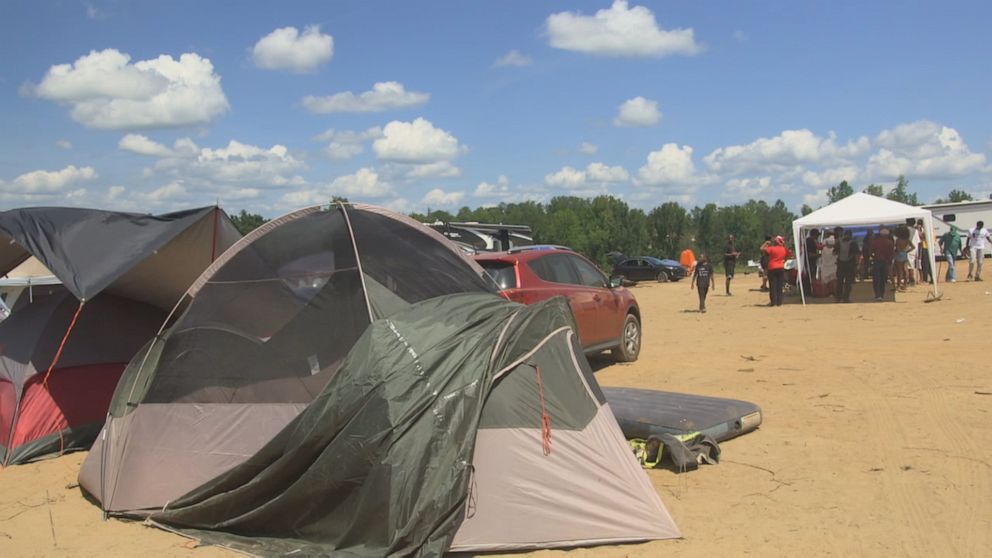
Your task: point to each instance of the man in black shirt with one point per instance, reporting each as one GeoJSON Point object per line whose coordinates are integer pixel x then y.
{"type": "Point", "coordinates": [730, 254]}
{"type": "Point", "coordinates": [703, 279]}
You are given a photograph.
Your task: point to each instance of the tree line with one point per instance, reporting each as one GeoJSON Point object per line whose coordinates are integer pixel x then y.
{"type": "Point", "coordinates": [597, 226]}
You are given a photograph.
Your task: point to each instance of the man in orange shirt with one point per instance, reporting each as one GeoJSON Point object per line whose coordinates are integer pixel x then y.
{"type": "Point", "coordinates": [777, 254]}
{"type": "Point", "coordinates": [688, 260]}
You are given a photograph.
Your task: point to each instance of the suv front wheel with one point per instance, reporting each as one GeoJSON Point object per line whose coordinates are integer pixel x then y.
{"type": "Point", "coordinates": [630, 340]}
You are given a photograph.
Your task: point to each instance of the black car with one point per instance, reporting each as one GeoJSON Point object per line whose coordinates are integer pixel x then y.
{"type": "Point", "coordinates": [647, 268]}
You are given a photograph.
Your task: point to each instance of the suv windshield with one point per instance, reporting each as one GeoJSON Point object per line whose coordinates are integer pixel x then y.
{"type": "Point", "coordinates": [503, 273]}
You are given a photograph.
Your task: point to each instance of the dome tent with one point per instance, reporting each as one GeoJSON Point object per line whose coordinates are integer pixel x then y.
{"type": "Point", "coordinates": [62, 353]}
{"type": "Point", "coordinates": [344, 379]}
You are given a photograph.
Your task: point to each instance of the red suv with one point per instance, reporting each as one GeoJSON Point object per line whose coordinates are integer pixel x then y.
{"type": "Point", "coordinates": [606, 313]}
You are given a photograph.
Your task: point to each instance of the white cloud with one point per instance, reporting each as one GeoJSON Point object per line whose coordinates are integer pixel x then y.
{"type": "Point", "coordinates": [115, 192]}
{"type": "Point", "coordinates": [345, 144]}
{"type": "Point", "coordinates": [107, 91]}
{"type": "Point", "coordinates": [513, 58]}
{"type": "Point", "coordinates": [170, 192]}
{"type": "Point", "coordinates": [669, 166]}
{"type": "Point", "coordinates": [439, 169]}
{"type": "Point", "coordinates": [94, 13]}
{"type": "Point", "coordinates": [63, 144]}
{"type": "Point", "coordinates": [638, 112]}
{"type": "Point", "coordinates": [595, 175]}
{"type": "Point", "coordinates": [618, 31]}
{"type": "Point", "coordinates": [747, 188]}
{"type": "Point", "coordinates": [47, 183]}
{"type": "Point", "coordinates": [499, 189]}
{"type": "Point", "coordinates": [287, 49]}
{"type": "Point", "coordinates": [831, 176]}
{"type": "Point", "coordinates": [924, 149]}
{"type": "Point", "coordinates": [588, 149]}
{"type": "Point", "coordinates": [438, 197]}
{"type": "Point", "coordinates": [416, 142]}
{"type": "Point", "coordinates": [790, 148]}
{"type": "Point", "coordinates": [388, 95]}
{"type": "Point", "coordinates": [137, 143]}
{"type": "Point", "coordinates": [363, 184]}
{"type": "Point", "coordinates": [235, 164]}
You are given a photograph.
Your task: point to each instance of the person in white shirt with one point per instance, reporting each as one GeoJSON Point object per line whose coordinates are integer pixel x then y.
{"type": "Point", "coordinates": [978, 242]}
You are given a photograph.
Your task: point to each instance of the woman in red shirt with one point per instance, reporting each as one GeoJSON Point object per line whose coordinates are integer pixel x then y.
{"type": "Point", "coordinates": [777, 254]}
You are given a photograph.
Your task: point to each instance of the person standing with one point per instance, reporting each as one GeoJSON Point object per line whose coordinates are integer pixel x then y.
{"type": "Point", "coordinates": [978, 239]}
{"type": "Point", "coordinates": [703, 279]}
{"type": "Point", "coordinates": [730, 255]}
{"type": "Point", "coordinates": [950, 246]}
{"type": "Point", "coordinates": [688, 260]}
{"type": "Point", "coordinates": [847, 261]}
{"type": "Point", "coordinates": [866, 255]}
{"type": "Point", "coordinates": [777, 254]}
{"type": "Point", "coordinates": [812, 258]}
{"type": "Point", "coordinates": [763, 266]}
{"type": "Point", "coordinates": [882, 252]}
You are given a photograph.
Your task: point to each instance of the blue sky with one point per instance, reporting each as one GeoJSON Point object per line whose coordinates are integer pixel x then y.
{"type": "Point", "coordinates": [152, 106]}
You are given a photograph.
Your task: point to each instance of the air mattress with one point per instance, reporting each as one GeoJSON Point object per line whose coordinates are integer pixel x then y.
{"type": "Point", "coordinates": [644, 412]}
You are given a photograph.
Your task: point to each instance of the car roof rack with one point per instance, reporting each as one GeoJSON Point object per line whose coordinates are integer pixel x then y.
{"type": "Point", "coordinates": [519, 249]}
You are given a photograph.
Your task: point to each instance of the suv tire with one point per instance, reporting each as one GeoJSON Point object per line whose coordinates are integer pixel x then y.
{"type": "Point", "coordinates": [630, 340]}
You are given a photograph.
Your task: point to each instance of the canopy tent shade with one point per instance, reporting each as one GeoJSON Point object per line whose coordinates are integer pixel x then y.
{"type": "Point", "coordinates": [143, 262]}
{"type": "Point", "coordinates": [24, 278]}
{"type": "Point", "coordinates": [861, 209]}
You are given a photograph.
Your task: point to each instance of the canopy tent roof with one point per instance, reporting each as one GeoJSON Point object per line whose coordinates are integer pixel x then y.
{"type": "Point", "coordinates": [861, 209]}
{"type": "Point", "coordinates": [30, 273]}
{"type": "Point", "coordinates": [145, 257]}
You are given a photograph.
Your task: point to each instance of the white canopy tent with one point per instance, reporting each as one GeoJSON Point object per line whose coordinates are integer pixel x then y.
{"type": "Point", "coordinates": [32, 273]}
{"type": "Point", "coordinates": [862, 209]}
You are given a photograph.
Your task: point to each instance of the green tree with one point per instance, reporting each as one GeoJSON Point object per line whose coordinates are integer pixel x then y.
{"type": "Point", "coordinates": [806, 209]}
{"type": "Point", "coordinates": [956, 196]}
{"type": "Point", "coordinates": [709, 232]}
{"type": "Point", "coordinates": [668, 227]}
{"type": "Point", "coordinates": [839, 192]}
{"type": "Point", "coordinates": [247, 222]}
{"type": "Point", "coordinates": [901, 192]}
{"type": "Point", "coordinates": [875, 190]}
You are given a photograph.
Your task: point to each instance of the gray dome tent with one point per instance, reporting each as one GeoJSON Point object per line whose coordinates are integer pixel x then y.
{"type": "Point", "coordinates": [345, 379]}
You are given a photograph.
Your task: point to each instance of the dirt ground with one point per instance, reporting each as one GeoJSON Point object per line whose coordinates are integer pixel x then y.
{"type": "Point", "coordinates": [876, 441]}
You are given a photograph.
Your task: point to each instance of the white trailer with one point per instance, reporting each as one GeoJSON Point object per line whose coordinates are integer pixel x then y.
{"type": "Point", "coordinates": [964, 215]}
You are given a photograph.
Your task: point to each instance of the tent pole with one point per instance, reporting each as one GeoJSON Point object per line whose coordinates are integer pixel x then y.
{"type": "Point", "coordinates": [797, 233]}
{"type": "Point", "coordinates": [358, 261]}
{"type": "Point", "coordinates": [213, 242]}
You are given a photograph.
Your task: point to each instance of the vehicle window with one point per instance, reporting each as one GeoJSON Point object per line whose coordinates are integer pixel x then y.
{"type": "Point", "coordinates": [503, 273]}
{"type": "Point", "coordinates": [554, 268]}
{"type": "Point", "coordinates": [630, 263]}
{"type": "Point", "coordinates": [588, 274]}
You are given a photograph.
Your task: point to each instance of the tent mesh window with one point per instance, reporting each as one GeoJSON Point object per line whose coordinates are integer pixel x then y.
{"type": "Point", "coordinates": [273, 324]}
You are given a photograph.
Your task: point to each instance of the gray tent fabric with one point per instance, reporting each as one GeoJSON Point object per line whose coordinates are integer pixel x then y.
{"type": "Point", "coordinates": [345, 409]}
{"type": "Point", "coordinates": [89, 249]}
{"type": "Point", "coordinates": [127, 271]}
{"type": "Point", "coordinates": [381, 463]}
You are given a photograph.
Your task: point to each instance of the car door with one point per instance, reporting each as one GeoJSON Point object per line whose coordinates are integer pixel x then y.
{"type": "Point", "coordinates": [644, 270]}
{"type": "Point", "coordinates": [606, 312]}
{"type": "Point", "coordinates": [561, 278]}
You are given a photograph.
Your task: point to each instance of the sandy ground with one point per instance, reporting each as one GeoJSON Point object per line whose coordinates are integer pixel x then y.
{"type": "Point", "coordinates": [877, 434]}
